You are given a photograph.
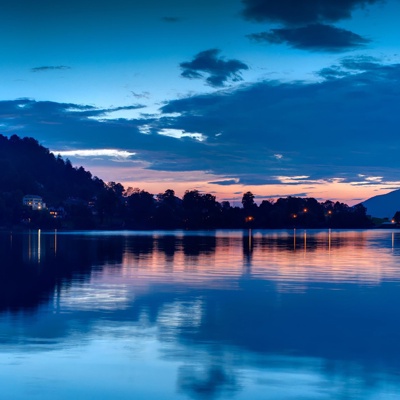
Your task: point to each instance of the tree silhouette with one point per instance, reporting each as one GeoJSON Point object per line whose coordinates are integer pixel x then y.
{"type": "Point", "coordinates": [248, 201]}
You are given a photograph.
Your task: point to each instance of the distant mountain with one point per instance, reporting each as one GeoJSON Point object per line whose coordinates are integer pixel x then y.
{"type": "Point", "coordinates": [384, 205]}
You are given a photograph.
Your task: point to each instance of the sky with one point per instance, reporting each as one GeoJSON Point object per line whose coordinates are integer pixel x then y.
{"type": "Point", "coordinates": [288, 97]}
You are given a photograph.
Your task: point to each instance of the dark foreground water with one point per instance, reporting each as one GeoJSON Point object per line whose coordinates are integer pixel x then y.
{"type": "Point", "coordinates": [207, 315]}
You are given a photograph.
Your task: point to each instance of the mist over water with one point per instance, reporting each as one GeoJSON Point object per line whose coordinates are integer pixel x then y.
{"type": "Point", "coordinates": [200, 315]}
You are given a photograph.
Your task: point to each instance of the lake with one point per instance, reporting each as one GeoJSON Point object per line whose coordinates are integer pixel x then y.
{"type": "Point", "coordinates": [200, 315]}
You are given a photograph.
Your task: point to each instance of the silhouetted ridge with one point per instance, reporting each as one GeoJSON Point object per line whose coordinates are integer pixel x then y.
{"type": "Point", "coordinates": [29, 168]}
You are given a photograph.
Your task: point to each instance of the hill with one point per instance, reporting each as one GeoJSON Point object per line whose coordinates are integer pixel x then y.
{"type": "Point", "coordinates": [29, 168]}
{"type": "Point", "coordinates": [384, 205]}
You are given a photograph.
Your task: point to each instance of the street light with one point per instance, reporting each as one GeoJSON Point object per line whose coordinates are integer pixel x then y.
{"type": "Point", "coordinates": [249, 218]}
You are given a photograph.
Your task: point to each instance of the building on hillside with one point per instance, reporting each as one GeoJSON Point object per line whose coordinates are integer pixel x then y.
{"type": "Point", "coordinates": [57, 212]}
{"type": "Point", "coordinates": [33, 201]}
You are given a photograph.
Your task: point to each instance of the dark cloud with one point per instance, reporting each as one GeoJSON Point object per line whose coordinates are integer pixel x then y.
{"type": "Point", "coordinates": [349, 66]}
{"type": "Point", "coordinates": [277, 196]}
{"type": "Point", "coordinates": [333, 72]}
{"type": "Point", "coordinates": [219, 71]}
{"type": "Point", "coordinates": [227, 182]}
{"type": "Point", "coordinates": [360, 63]}
{"type": "Point", "coordinates": [295, 12]}
{"type": "Point", "coordinates": [315, 37]}
{"type": "Point", "coordinates": [112, 109]}
{"type": "Point", "coordinates": [250, 179]}
{"type": "Point", "coordinates": [327, 129]}
{"type": "Point", "coordinates": [50, 68]}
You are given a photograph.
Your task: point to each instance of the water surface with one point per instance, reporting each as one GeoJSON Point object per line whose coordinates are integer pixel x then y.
{"type": "Point", "coordinates": [200, 315]}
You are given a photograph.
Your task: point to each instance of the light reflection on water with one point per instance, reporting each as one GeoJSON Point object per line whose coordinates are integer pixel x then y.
{"type": "Point", "coordinates": [200, 315]}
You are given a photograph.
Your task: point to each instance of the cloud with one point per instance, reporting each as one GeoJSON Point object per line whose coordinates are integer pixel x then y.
{"type": "Point", "coordinates": [362, 180]}
{"type": "Point", "coordinates": [325, 129]}
{"type": "Point", "coordinates": [226, 182]}
{"type": "Point", "coordinates": [119, 154]}
{"type": "Point", "coordinates": [314, 37]}
{"type": "Point", "coordinates": [142, 95]}
{"type": "Point", "coordinates": [277, 196]}
{"type": "Point", "coordinates": [77, 127]}
{"type": "Point", "coordinates": [297, 12]}
{"type": "Point", "coordinates": [350, 66]}
{"type": "Point", "coordinates": [332, 72]}
{"type": "Point", "coordinates": [50, 68]}
{"type": "Point", "coordinates": [219, 71]}
{"type": "Point", "coordinates": [179, 134]}
{"type": "Point", "coordinates": [360, 63]}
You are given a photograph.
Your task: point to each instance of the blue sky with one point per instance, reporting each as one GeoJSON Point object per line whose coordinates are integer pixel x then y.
{"type": "Point", "coordinates": [277, 97]}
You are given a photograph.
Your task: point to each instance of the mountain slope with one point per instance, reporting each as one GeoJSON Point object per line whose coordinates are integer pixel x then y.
{"type": "Point", "coordinates": [26, 167]}
{"type": "Point", "coordinates": [29, 168]}
{"type": "Point", "coordinates": [383, 206]}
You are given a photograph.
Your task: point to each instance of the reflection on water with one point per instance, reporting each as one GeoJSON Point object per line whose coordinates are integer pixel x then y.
{"type": "Point", "coordinates": [201, 315]}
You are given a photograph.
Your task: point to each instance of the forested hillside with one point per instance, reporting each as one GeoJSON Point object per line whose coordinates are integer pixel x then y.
{"type": "Point", "coordinates": [29, 168]}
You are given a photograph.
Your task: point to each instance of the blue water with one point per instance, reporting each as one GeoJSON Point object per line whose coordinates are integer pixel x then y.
{"type": "Point", "coordinates": [200, 315]}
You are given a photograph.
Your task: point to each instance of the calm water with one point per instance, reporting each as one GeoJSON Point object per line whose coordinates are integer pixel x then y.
{"type": "Point", "coordinates": [208, 315]}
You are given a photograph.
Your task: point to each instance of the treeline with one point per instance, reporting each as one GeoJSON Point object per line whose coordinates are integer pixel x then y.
{"type": "Point", "coordinates": [77, 200]}
{"type": "Point", "coordinates": [201, 211]}
{"type": "Point", "coordinates": [138, 209]}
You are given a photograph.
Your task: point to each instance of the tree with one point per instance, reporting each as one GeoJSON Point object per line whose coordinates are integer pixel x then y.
{"type": "Point", "coordinates": [168, 212]}
{"type": "Point", "coordinates": [200, 210]}
{"type": "Point", "coordinates": [117, 188]}
{"type": "Point", "coordinates": [248, 201]}
{"type": "Point", "coordinates": [192, 206]}
{"type": "Point", "coordinates": [264, 211]}
{"type": "Point", "coordinates": [141, 206]}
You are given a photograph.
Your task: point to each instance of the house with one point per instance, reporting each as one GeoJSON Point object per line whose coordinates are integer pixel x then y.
{"type": "Point", "coordinates": [57, 212]}
{"type": "Point", "coordinates": [33, 201]}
